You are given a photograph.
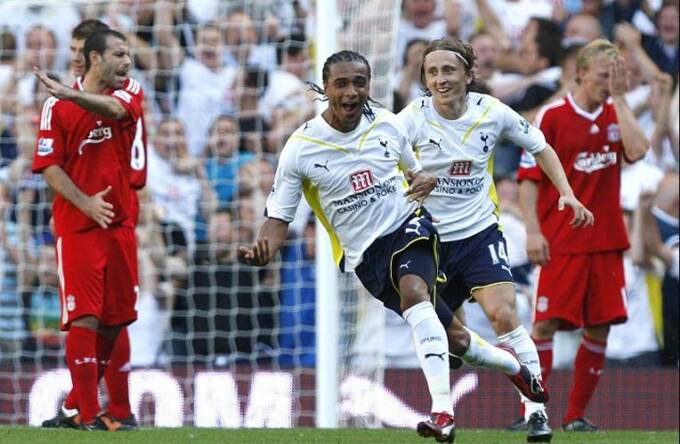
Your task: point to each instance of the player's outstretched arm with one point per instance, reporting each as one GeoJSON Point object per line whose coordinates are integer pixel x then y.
{"type": "Point", "coordinates": [550, 164]}
{"type": "Point", "coordinates": [95, 207]}
{"type": "Point", "coordinates": [269, 240]}
{"type": "Point", "coordinates": [102, 104]}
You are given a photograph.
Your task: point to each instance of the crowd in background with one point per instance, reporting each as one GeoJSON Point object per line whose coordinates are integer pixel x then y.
{"type": "Point", "coordinates": [225, 85]}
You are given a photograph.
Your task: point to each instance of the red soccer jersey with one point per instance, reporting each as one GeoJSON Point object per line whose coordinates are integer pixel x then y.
{"type": "Point", "coordinates": [589, 147]}
{"type": "Point", "coordinates": [93, 151]}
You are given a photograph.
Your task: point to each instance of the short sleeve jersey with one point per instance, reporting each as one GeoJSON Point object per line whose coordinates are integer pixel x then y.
{"type": "Point", "coordinates": [136, 139]}
{"type": "Point", "coordinates": [353, 181]}
{"type": "Point", "coordinates": [95, 152]}
{"type": "Point", "coordinates": [590, 148]}
{"type": "Point", "coordinates": [460, 153]}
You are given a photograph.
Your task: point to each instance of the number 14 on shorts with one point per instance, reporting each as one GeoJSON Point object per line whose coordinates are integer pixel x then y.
{"type": "Point", "coordinates": [497, 251]}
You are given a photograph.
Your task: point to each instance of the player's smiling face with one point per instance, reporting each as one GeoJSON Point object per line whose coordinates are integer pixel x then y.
{"type": "Point", "coordinates": [445, 76]}
{"type": "Point", "coordinates": [347, 90]}
{"type": "Point", "coordinates": [115, 63]}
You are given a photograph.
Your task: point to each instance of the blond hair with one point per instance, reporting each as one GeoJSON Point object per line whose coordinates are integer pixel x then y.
{"type": "Point", "coordinates": [592, 50]}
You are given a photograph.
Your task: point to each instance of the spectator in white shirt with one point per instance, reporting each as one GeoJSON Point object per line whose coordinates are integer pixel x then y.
{"type": "Point", "coordinates": [206, 84]}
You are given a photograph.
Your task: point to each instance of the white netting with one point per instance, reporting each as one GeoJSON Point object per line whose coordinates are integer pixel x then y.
{"type": "Point", "coordinates": [217, 343]}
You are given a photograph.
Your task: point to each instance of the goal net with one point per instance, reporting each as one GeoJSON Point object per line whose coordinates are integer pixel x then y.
{"type": "Point", "coordinates": [217, 344]}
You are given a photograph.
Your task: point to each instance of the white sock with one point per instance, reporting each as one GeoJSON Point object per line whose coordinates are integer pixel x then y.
{"type": "Point", "coordinates": [432, 348]}
{"type": "Point", "coordinates": [520, 341]}
{"type": "Point", "coordinates": [524, 346]}
{"type": "Point", "coordinates": [482, 354]}
{"type": "Point", "coordinates": [531, 407]}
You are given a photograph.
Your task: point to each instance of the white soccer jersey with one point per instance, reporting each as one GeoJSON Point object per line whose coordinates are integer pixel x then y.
{"type": "Point", "coordinates": [460, 153]}
{"type": "Point", "coordinates": [351, 180]}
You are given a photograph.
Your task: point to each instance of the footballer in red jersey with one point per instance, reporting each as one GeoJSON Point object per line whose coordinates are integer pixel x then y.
{"type": "Point", "coordinates": [84, 153]}
{"type": "Point", "coordinates": [581, 283]}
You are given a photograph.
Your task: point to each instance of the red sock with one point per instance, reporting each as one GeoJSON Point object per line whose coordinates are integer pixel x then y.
{"type": "Point", "coordinates": [587, 370]}
{"type": "Point", "coordinates": [71, 401]}
{"type": "Point", "coordinates": [116, 377]}
{"type": "Point", "coordinates": [545, 355]}
{"type": "Point", "coordinates": [81, 359]}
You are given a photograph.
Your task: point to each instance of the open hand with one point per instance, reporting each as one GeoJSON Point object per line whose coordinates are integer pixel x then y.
{"type": "Point", "coordinates": [627, 34]}
{"type": "Point", "coordinates": [55, 88]}
{"type": "Point", "coordinates": [257, 254]}
{"type": "Point", "coordinates": [618, 82]}
{"type": "Point", "coordinates": [99, 210]}
{"type": "Point", "coordinates": [582, 217]}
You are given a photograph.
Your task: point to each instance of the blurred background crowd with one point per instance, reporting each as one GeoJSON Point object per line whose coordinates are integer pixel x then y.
{"type": "Point", "coordinates": [225, 86]}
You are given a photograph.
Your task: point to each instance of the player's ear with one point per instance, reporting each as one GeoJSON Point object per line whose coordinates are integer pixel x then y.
{"type": "Point", "coordinates": [94, 57]}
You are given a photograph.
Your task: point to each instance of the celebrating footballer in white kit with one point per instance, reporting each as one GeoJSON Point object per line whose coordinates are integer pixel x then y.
{"type": "Point", "coordinates": [454, 132]}
{"type": "Point", "coordinates": [348, 162]}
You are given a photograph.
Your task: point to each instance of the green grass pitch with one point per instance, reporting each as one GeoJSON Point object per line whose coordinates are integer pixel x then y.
{"type": "Point", "coordinates": [189, 435]}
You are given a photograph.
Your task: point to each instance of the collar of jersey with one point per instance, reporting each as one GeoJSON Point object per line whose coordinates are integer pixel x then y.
{"type": "Point", "coordinates": [361, 128]}
{"type": "Point", "coordinates": [441, 118]}
{"type": "Point", "coordinates": [327, 126]}
{"type": "Point", "coordinates": [581, 112]}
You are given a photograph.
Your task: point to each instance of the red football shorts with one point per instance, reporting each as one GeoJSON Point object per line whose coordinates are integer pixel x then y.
{"type": "Point", "coordinates": [98, 276]}
{"type": "Point", "coordinates": [582, 290]}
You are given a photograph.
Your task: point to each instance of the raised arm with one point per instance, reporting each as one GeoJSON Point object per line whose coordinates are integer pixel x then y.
{"type": "Point", "coordinates": [493, 24]}
{"type": "Point", "coordinates": [102, 104]}
{"type": "Point", "coordinates": [270, 239]}
{"type": "Point", "coordinates": [660, 100]}
{"type": "Point", "coordinates": [630, 38]}
{"type": "Point", "coordinates": [170, 54]}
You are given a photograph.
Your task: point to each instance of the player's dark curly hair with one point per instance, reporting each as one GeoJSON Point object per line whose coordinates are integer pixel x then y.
{"type": "Point", "coordinates": [462, 49]}
{"type": "Point", "coordinates": [344, 56]}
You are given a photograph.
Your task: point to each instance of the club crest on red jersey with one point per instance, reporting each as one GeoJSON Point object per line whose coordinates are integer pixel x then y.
{"type": "Point", "coordinates": [613, 133]}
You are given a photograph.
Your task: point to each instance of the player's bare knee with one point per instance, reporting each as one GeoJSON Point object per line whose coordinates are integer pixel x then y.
{"type": "Point", "coordinates": [545, 329]}
{"type": "Point", "coordinates": [89, 322]}
{"type": "Point", "coordinates": [413, 290]}
{"type": "Point", "coordinates": [599, 332]}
